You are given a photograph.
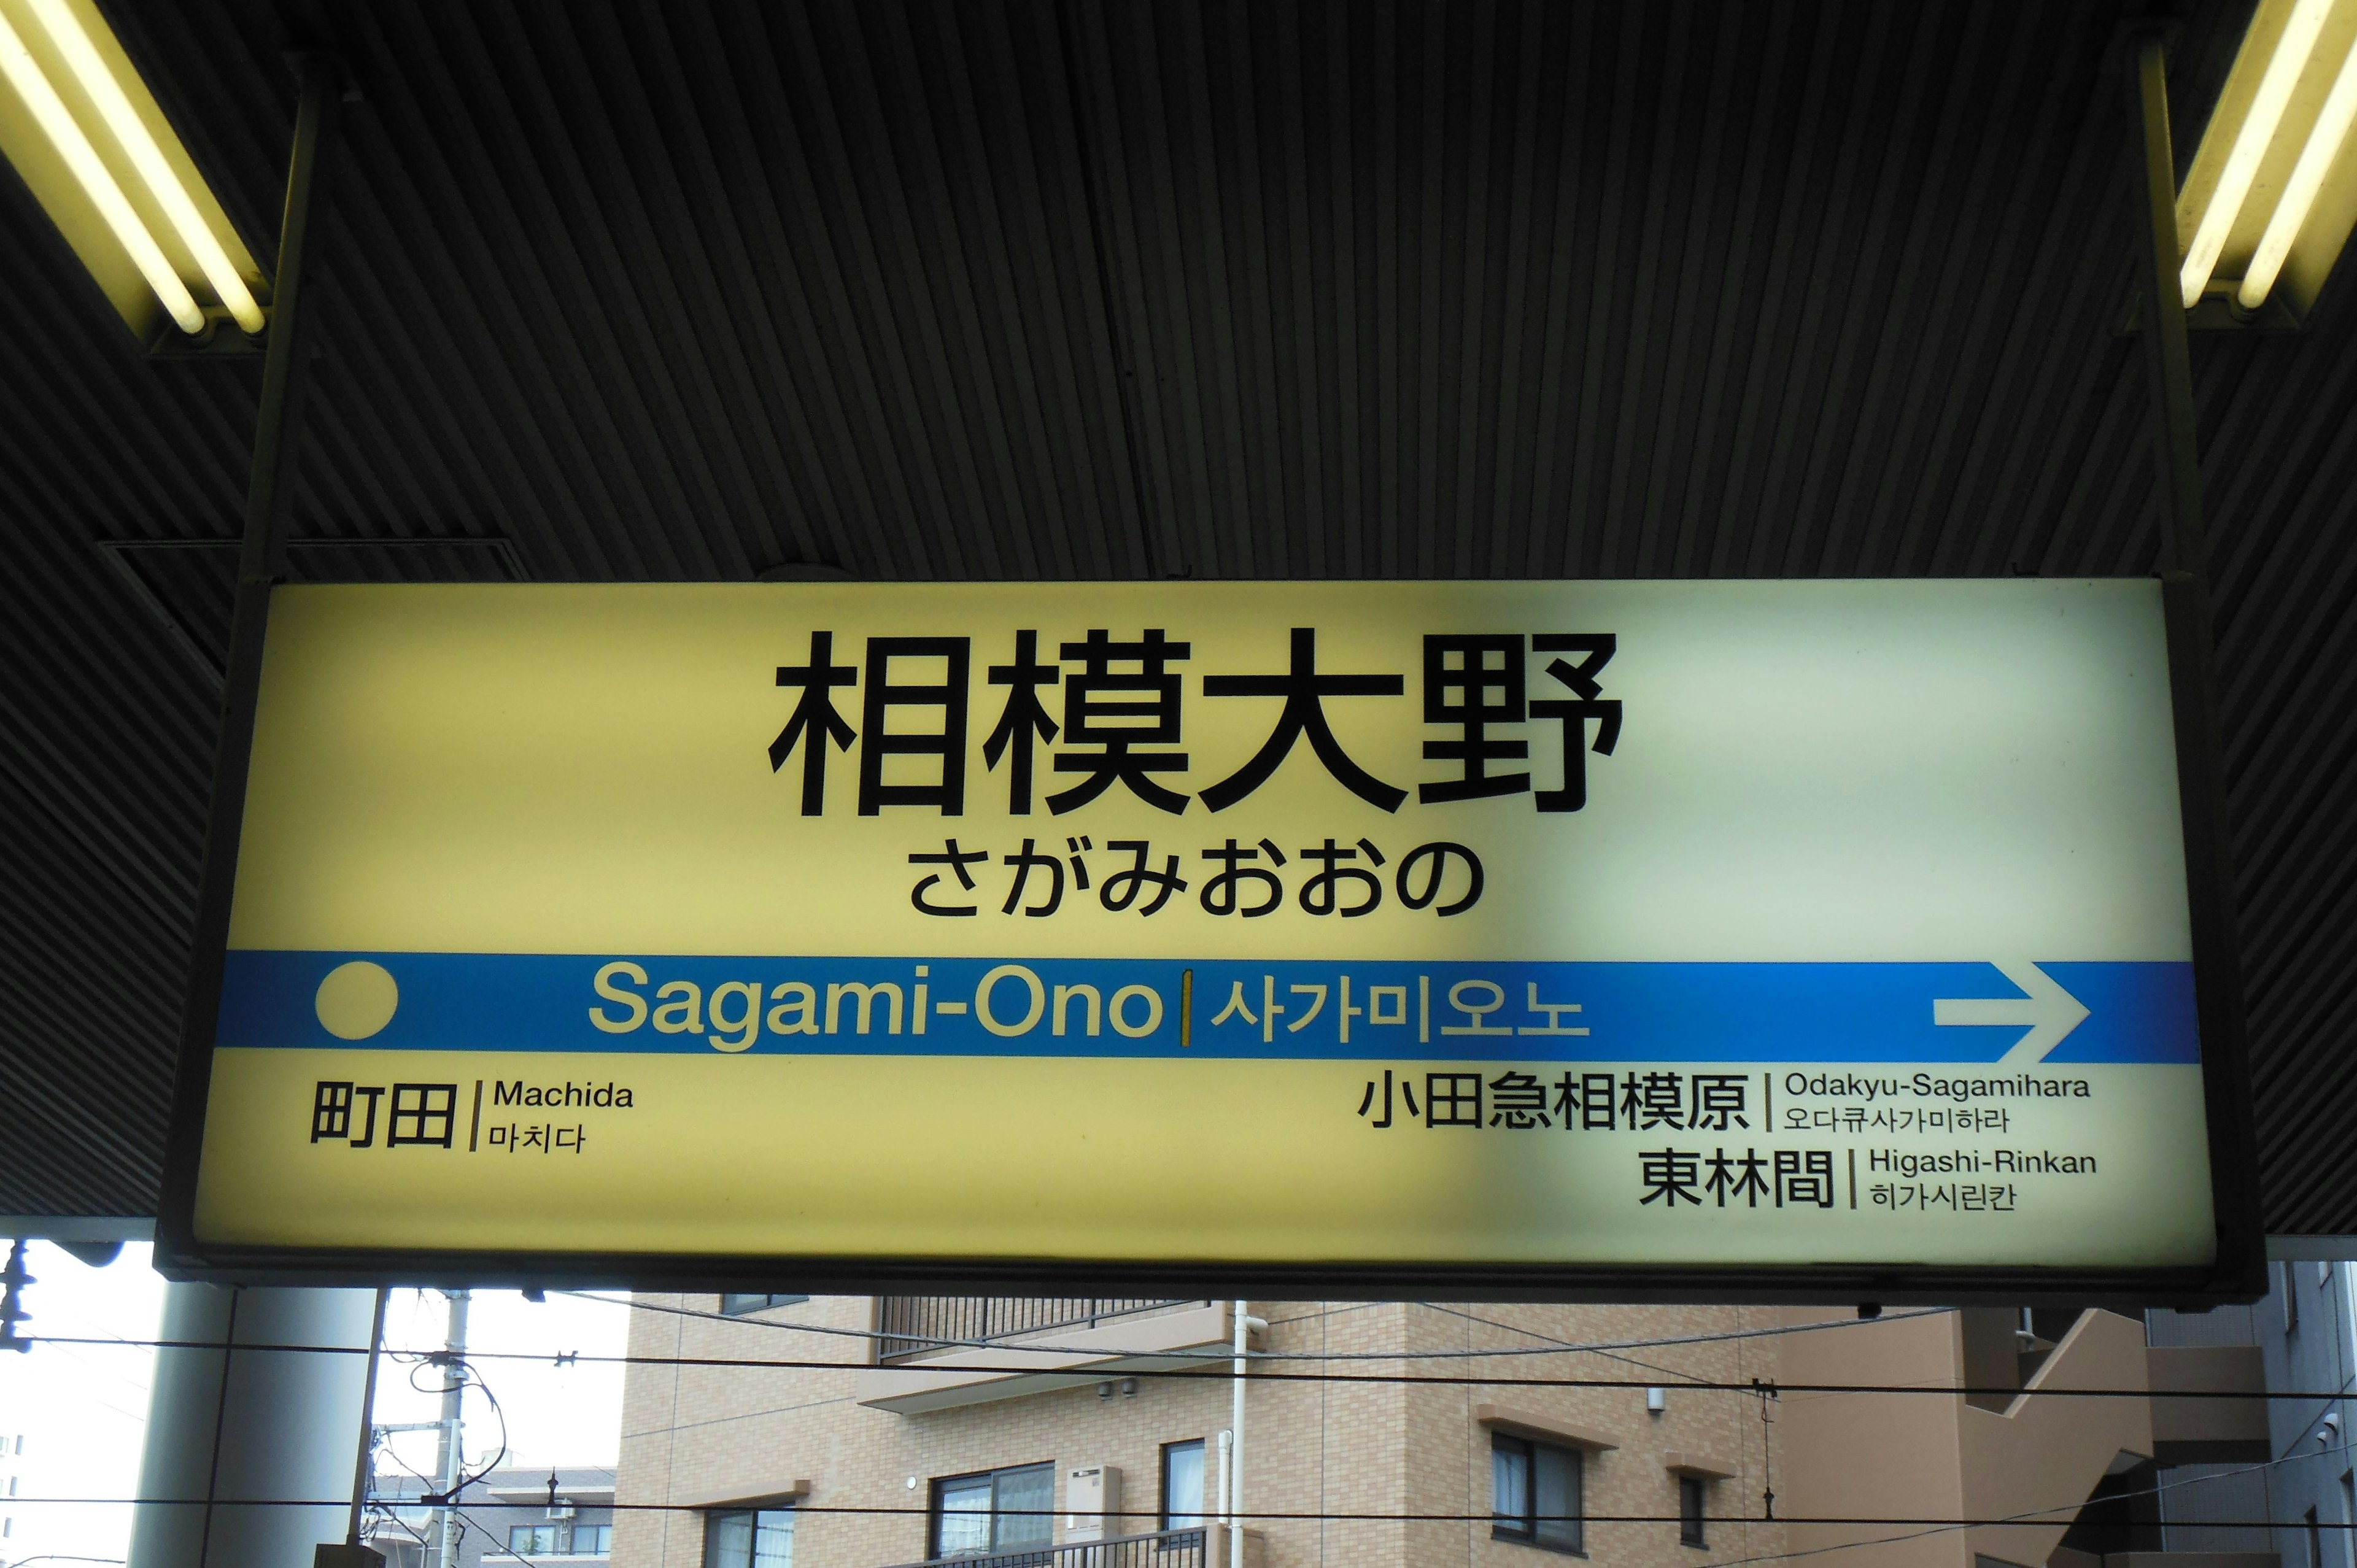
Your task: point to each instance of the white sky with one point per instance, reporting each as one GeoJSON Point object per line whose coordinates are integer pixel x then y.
{"type": "Point", "coordinates": [555, 1415]}
{"type": "Point", "coordinates": [82, 1409]}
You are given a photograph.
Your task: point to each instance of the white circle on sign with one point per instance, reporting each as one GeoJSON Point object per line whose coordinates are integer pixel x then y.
{"type": "Point", "coordinates": [357, 999]}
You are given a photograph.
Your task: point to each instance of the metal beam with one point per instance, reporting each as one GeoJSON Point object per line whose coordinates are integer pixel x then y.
{"type": "Point", "coordinates": [261, 562]}
{"type": "Point", "coordinates": [2168, 362]}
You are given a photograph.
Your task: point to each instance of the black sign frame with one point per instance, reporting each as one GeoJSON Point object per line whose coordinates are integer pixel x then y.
{"type": "Point", "coordinates": [2237, 1274]}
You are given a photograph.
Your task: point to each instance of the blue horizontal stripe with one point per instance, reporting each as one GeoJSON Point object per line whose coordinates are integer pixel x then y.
{"type": "Point", "coordinates": [2138, 1012]}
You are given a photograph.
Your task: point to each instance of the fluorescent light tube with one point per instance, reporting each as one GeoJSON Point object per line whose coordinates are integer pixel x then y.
{"type": "Point", "coordinates": [2258, 129]}
{"type": "Point", "coordinates": [2316, 158]}
{"type": "Point", "coordinates": [131, 132]}
{"type": "Point", "coordinates": [17, 63]}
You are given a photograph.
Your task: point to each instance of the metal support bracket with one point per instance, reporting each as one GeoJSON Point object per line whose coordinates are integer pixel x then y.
{"type": "Point", "coordinates": [2184, 560]}
{"type": "Point", "coordinates": [2168, 358]}
{"type": "Point", "coordinates": [277, 437]}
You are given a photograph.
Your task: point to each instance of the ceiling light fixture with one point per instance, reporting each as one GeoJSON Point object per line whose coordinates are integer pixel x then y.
{"type": "Point", "coordinates": [24, 73]}
{"type": "Point", "coordinates": [94, 149]}
{"type": "Point", "coordinates": [2251, 142]}
{"type": "Point", "coordinates": [2272, 193]}
{"type": "Point", "coordinates": [114, 107]}
{"type": "Point", "coordinates": [2316, 160]}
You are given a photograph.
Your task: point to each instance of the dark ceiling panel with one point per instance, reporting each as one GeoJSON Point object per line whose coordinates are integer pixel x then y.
{"type": "Point", "coordinates": [1042, 288]}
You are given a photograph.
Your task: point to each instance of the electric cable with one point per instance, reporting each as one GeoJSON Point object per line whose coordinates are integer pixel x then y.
{"type": "Point", "coordinates": [1561, 1344]}
{"type": "Point", "coordinates": [1299, 1516]}
{"type": "Point", "coordinates": [468, 1375]}
{"type": "Point", "coordinates": [378, 1508]}
{"type": "Point", "coordinates": [465, 1378]}
{"type": "Point", "coordinates": [1047, 1347]}
{"type": "Point", "coordinates": [1082, 1374]}
{"type": "Point", "coordinates": [454, 1506]}
{"type": "Point", "coordinates": [2039, 1514]}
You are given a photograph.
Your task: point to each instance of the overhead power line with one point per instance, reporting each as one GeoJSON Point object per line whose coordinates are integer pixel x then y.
{"type": "Point", "coordinates": [1313, 1516]}
{"type": "Point", "coordinates": [1082, 1374]}
{"type": "Point", "coordinates": [2042, 1515]}
{"type": "Point", "coordinates": [1223, 1355]}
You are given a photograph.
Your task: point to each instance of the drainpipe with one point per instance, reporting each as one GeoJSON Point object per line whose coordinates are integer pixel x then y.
{"type": "Point", "coordinates": [1236, 1447]}
{"type": "Point", "coordinates": [1231, 1442]}
{"type": "Point", "coordinates": [1227, 1475]}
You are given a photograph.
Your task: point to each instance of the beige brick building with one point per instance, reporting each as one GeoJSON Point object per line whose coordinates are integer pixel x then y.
{"type": "Point", "coordinates": [901, 1452]}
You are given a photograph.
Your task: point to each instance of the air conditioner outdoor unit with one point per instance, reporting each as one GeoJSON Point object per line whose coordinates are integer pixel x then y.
{"type": "Point", "coordinates": [1090, 1492]}
{"type": "Point", "coordinates": [560, 1510]}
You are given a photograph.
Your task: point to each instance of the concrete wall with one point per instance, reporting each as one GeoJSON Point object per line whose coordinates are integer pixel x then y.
{"type": "Point", "coordinates": [2048, 1454]}
{"type": "Point", "coordinates": [1874, 1455]}
{"type": "Point", "coordinates": [1942, 1457]}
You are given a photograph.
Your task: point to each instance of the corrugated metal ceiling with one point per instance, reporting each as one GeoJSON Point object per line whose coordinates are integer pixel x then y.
{"type": "Point", "coordinates": [1017, 288]}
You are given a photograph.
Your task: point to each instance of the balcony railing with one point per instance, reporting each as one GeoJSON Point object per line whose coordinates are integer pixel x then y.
{"type": "Point", "coordinates": [1164, 1549]}
{"type": "Point", "coordinates": [921, 1325]}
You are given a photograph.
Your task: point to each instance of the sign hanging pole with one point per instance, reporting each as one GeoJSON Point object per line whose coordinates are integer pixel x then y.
{"type": "Point", "coordinates": [262, 557]}
{"type": "Point", "coordinates": [2185, 555]}
{"type": "Point", "coordinates": [2167, 360]}
{"type": "Point", "coordinates": [286, 370]}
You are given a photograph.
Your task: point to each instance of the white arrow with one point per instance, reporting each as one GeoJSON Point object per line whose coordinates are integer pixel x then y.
{"type": "Point", "coordinates": [2050, 1011]}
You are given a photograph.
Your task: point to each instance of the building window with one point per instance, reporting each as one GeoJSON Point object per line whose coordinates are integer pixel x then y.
{"type": "Point", "coordinates": [526, 1539]}
{"type": "Point", "coordinates": [1534, 1493]}
{"type": "Point", "coordinates": [749, 1538]}
{"type": "Point", "coordinates": [2315, 1540]}
{"type": "Point", "coordinates": [593, 1540]}
{"type": "Point", "coordinates": [1182, 1485]}
{"type": "Point", "coordinates": [739, 1306]}
{"type": "Point", "coordinates": [996, 1512]}
{"type": "Point", "coordinates": [1690, 1511]}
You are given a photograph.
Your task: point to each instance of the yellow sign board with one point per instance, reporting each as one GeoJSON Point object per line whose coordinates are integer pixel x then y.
{"type": "Point", "coordinates": [1383, 931]}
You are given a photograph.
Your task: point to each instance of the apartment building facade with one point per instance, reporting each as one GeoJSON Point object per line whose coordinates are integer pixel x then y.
{"type": "Point", "coordinates": [2307, 1330]}
{"type": "Point", "coordinates": [2305, 1335]}
{"type": "Point", "coordinates": [1089, 1433]}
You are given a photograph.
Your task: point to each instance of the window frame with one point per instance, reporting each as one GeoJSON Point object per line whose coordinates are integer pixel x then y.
{"type": "Point", "coordinates": [747, 1302]}
{"type": "Point", "coordinates": [1693, 1508]}
{"type": "Point", "coordinates": [935, 1516]}
{"type": "Point", "coordinates": [1526, 1531]}
{"type": "Point", "coordinates": [1202, 1511]}
{"type": "Point", "coordinates": [712, 1516]}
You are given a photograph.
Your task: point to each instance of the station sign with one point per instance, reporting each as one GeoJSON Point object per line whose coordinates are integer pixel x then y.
{"type": "Point", "coordinates": [1834, 939]}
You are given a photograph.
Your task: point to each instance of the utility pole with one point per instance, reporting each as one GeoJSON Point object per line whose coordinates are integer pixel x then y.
{"type": "Point", "coordinates": [449, 1452]}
